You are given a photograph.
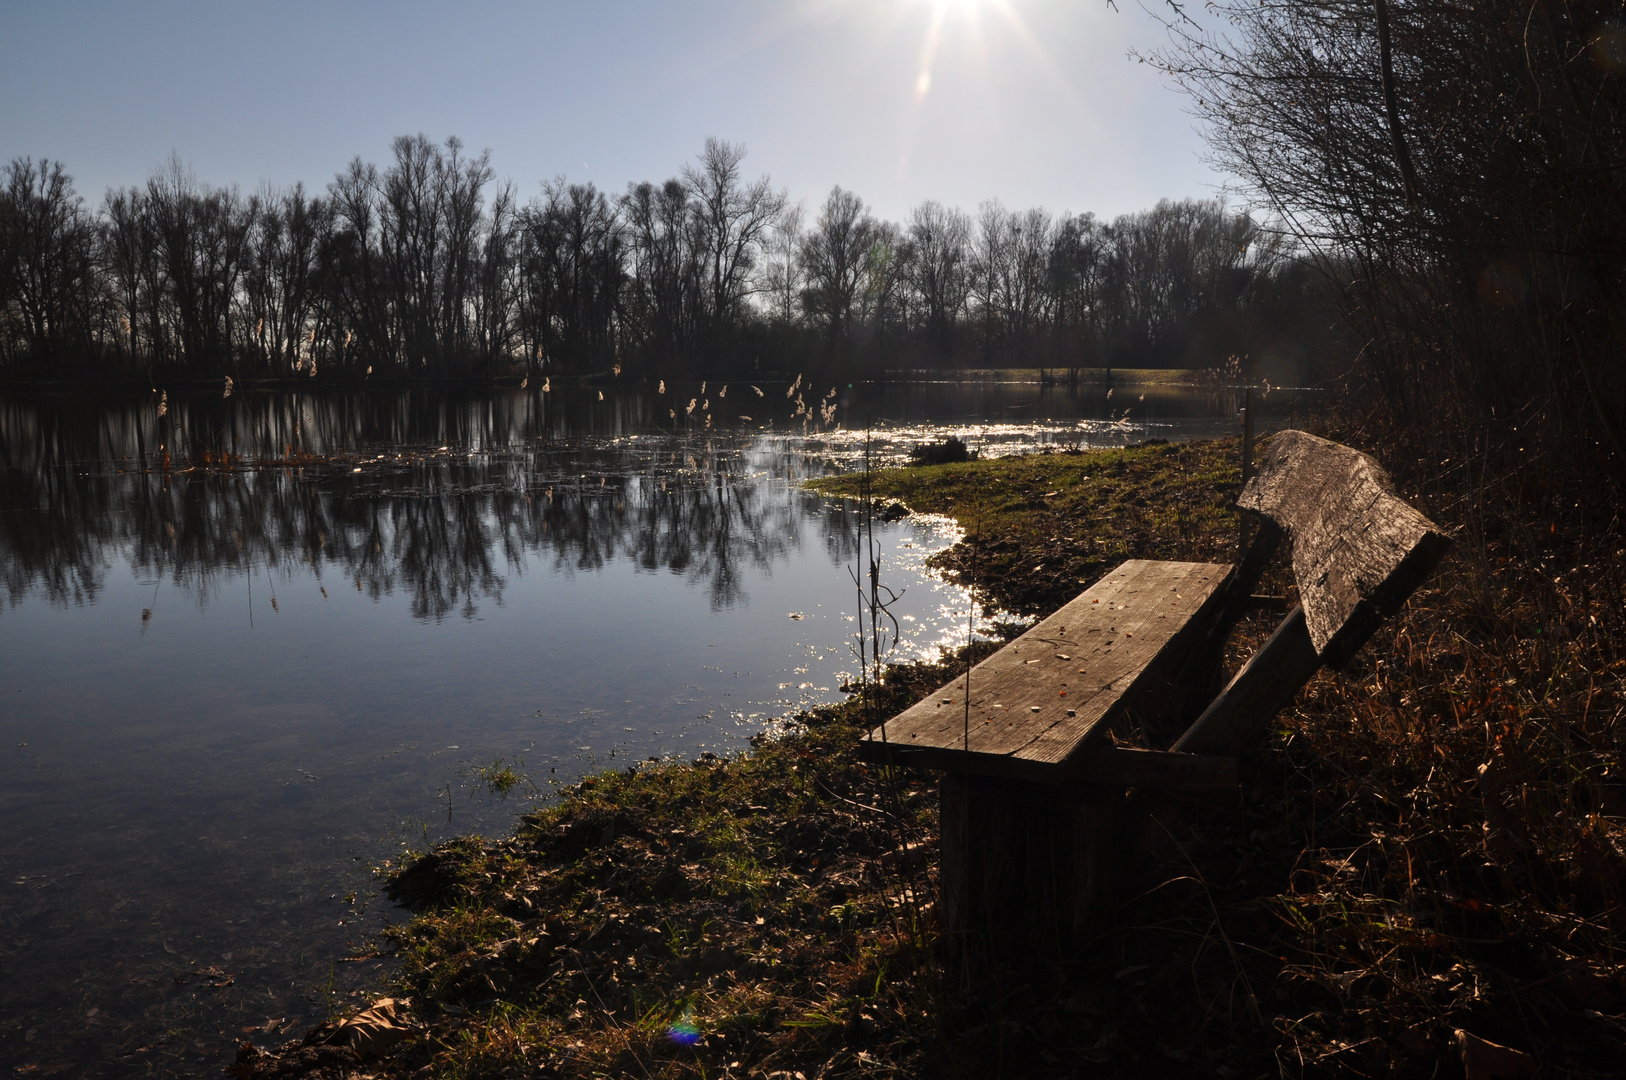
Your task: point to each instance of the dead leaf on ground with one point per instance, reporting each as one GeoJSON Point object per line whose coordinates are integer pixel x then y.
{"type": "Point", "coordinates": [371, 1033]}
{"type": "Point", "coordinates": [1485, 1060]}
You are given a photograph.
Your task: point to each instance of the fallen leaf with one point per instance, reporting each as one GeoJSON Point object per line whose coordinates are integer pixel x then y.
{"type": "Point", "coordinates": [371, 1033]}
{"type": "Point", "coordinates": [1485, 1060]}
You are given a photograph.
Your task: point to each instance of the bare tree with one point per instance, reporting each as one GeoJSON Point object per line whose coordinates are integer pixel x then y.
{"type": "Point", "coordinates": [1455, 165]}
{"type": "Point", "coordinates": [938, 270]}
{"type": "Point", "coordinates": [47, 267]}
{"type": "Point", "coordinates": [835, 259]}
{"type": "Point", "coordinates": [664, 302]}
{"type": "Point", "coordinates": [573, 265]}
{"type": "Point", "coordinates": [780, 281]}
{"type": "Point", "coordinates": [359, 289]}
{"type": "Point", "coordinates": [201, 235]}
{"type": "Point", "coordinates": [281, 275]}
{"type": "Point", "coordinates": [733, 220]}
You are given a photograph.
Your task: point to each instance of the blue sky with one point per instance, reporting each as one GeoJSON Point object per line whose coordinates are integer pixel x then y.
{"type": "Point", "coordinates": [1033, 102]}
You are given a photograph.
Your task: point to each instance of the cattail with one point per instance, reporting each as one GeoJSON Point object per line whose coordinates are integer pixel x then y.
{"type": "Point", "coordinates": [792, 391]}
{"type": "Point", "coordinates": [1109, 393]}
{"type": "Point", "coordinates": [526, 381]}
{"type": "Point", "coordinates": [723, 392]}
{"type": "Point", "coordinates": [661, 389]}
{"type": "Point", "coordinates": [744, 417]}
{"type": "Point", "coordinates": [759, 392]}
{"type": "Point", "coordinates": [547, 383]}
{"type": "Point", "coordinates": [617, 368]}
{"type": "Point", "coordinates": [705, 406]}
{"type": "Point", "coordinates": [347, 338]}
{"type": "Point", "coordinates": [702, 386]}
{"type": "Point", "coordinates": [369, 369]}
{"type": "Point", "coordinates": [601, 395]}
{"type": "Point", "coordinates": [671, 414]}
{"type": "Point", "coordinates": [690, 410]}
{"type": "Point", "coordinates": [708, 420]}
{"type": "Point", "coordinates": [227, 393]}
{"type": "Point", "coordinates": [163, 404]}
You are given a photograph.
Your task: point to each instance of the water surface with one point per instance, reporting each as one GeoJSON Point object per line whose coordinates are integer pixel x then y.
{"type": "Point", "coordinates": [229, 691]}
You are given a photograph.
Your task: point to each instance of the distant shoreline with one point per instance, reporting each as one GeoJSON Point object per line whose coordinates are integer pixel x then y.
{"type": "Point", "coordinates": [1058, 377]}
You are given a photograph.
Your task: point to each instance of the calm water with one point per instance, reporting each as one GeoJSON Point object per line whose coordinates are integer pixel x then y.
{"type": "Point", "coordinates": [225, 695]}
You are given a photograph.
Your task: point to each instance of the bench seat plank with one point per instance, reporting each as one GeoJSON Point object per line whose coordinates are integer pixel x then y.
{"type": "Point", "coordinates": [1051, 693]}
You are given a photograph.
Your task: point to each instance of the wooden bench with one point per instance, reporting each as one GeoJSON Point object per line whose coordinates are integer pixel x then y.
{"type": "Point", "coordinates": [1049, 748]}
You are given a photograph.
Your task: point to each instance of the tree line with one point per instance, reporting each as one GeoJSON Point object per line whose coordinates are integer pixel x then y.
{"type": "Point", "coordinates": [431, 266]}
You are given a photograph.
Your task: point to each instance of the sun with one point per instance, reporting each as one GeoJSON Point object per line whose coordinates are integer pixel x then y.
{"type": "Point", "coordinates": [961, 19]}
{"type": "Point", "coordinates": [957, 10]}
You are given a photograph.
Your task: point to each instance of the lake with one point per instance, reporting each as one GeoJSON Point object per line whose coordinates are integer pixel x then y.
{"type": "Point", "coordinates": [253, 647]}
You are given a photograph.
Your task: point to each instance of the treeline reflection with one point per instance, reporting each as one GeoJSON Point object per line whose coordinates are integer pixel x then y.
{"type": "Point", "coordinates": [36, 433]}
{"type": "Point", "coordinates": [449, 529]}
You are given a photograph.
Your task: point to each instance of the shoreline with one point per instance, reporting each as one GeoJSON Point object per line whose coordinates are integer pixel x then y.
{"type": "Point", "coordinates": [1169, 378]}
{"type": "Point", "coordinates": [771, 913]}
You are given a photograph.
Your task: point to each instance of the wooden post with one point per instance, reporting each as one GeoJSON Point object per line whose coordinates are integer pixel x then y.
{"type": "Point", "coordinates": [1247, 436]}
{"type": "Point", "coordinates": [1247, 464]}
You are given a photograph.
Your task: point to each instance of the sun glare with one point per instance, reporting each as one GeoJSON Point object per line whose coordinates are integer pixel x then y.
{"type": "Point", "coordinates": [963, 8]}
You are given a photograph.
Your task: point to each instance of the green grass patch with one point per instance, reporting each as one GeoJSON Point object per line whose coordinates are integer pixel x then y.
{"type": "Point", "coordinates": [1041, 527]}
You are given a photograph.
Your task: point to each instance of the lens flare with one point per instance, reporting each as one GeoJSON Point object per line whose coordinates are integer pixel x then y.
{"type": "Point", "coordinates": [682, 1031]}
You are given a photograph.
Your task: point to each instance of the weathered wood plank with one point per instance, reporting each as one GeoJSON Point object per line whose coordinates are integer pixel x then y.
{"type": "Point", "coordinates": [1358, 549]}
{"type": "Point", "coordinates": [1018, 867]}
{"type": "Point", "coordinates": [1103, 767]}
{"type": "Point", "coordinates": [1265, 685]}
{"type": "Point", "coordinates": [1047, 695]}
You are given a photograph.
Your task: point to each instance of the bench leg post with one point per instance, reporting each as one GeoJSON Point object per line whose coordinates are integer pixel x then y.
{"type": "Point", "coordinates": [1023, 870]}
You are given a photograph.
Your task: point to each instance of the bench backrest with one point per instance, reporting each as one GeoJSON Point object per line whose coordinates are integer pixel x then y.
{"type": "Point", "coordinates": [1358, 549]}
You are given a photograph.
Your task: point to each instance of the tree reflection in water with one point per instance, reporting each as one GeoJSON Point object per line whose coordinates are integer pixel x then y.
{"type": "Point", "coordinates": [83, 489]}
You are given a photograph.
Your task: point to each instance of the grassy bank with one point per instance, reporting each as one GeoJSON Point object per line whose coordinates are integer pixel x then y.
{"type": "Point", "coordinates": [1429, 842]}
{"type": "Point", "coordinates": [1041, 527]}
